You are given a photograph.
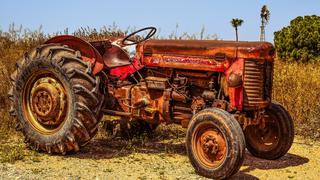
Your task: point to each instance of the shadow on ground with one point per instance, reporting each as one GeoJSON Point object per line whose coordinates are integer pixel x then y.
{"type": "Point", "coordinates": [111, 148]}
{"type": "Point", "coordinates": [253, 163]}
{"type": "Point", "coordinates": [285, 161]}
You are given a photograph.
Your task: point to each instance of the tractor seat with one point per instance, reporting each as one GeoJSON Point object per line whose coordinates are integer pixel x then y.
{"type": "Point", "coordinates": [115, 57]}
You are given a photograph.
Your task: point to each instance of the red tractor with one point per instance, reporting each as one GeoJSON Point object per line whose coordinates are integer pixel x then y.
{"type": "Point", "coordinates": [219, 90]}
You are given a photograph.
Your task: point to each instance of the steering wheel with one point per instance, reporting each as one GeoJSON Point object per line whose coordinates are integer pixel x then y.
{"type": "Point", "coordinates": [127, 41]}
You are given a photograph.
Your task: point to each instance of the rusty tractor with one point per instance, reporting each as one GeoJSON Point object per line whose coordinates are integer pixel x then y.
{"type": "Point", "coordinates": [219, 90]}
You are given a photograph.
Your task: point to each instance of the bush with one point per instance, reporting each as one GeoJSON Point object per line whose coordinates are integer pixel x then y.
{"type": "Point", "coordinates": [300, 41]}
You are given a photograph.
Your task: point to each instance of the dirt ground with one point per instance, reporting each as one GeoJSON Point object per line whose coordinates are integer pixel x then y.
{"type": "Point", "coordinates": [106, 158]}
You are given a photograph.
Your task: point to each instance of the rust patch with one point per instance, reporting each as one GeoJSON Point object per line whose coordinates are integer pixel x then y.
{"type": "Point", "coordinates": [2, 102]}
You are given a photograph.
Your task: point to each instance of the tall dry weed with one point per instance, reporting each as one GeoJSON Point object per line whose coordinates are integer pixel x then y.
{"type": "Point", "coordinates": [4, 106]}
{"type": "Point", "coordinates": [297, 87]}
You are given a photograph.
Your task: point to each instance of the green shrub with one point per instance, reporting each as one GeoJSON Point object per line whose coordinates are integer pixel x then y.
{"type": "Point", "coordinates": [300, 41]}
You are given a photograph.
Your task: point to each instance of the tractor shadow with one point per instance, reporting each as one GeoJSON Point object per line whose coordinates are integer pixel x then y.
{"type": "Point", "coordinates": [113, 148]}
{"type": "Point", "coordinates": [166, 139]}
{"type": "Point", "coordinates": [252, 163]}
{"type": "Point", "coordinates": [287, 160]}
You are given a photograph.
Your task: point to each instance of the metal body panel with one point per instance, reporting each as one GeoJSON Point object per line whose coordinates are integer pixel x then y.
{"type": "Point", "coordinates": [212, 50]}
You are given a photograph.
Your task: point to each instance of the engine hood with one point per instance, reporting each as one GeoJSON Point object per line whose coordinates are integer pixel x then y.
{"type": "Point", "coordinates": [209, 48]}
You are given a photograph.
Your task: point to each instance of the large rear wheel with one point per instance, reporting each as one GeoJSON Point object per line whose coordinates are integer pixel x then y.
{"type": "Point", "coordinates": [275, 139]}
{"type": "Point", "coordinates": [215, 144]}
{"type": "Point", "coordinates": [56, 99]}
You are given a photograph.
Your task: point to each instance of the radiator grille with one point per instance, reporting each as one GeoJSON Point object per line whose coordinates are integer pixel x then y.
{"type": "Point", "coordinates": [257, 83]}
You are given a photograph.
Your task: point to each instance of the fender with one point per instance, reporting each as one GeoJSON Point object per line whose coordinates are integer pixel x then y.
{"type": "Point", "coordinates": [88, 52]}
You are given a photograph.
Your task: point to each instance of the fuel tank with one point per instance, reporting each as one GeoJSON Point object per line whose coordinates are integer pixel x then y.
{"type": "Point", "coordinates": [207, 55]}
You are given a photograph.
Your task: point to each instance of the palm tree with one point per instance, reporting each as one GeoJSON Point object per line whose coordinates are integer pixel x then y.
{"type": "Point", "coordinates": [265, 16]}
{"type": "Point", "coordinates": [236, 23]}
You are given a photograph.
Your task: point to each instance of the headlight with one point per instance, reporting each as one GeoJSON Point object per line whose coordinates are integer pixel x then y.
{"type": "Point", "coordinates": [234, 80]}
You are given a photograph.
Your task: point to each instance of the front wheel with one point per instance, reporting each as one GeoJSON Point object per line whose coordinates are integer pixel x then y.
{"type": "Point", "coordinates": [215, 144]}
{"type": "Point", "coordinates": [275, 139]}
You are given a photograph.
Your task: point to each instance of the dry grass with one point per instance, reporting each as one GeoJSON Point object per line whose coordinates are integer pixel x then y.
{"type": "Point", "coordinates": [4, 106]}
{"type": "Point", "coordinates": [11, 152]}
{"type": "Point", "coordinates": [297, 87]}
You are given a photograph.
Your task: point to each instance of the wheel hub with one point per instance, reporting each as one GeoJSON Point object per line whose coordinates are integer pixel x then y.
{"type": "Point", "coordinates": [210, 145]}
{"type": "Point", "coordinates": [48, 101]}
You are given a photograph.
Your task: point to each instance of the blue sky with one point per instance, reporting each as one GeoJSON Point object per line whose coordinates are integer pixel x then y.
{"type": "Point", "coordinates": [190, 15]}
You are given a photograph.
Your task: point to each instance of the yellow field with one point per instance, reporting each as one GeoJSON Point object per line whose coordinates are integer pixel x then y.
{"type": "Point", "coordinates": [297, 87]}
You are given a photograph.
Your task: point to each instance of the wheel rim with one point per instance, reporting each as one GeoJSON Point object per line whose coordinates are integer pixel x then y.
{"type": "Point", "coordinates": [209, 145]}
{"type": "Point", "coordinates": [265, 138]}
{"type": "Point", "coordinates": [45, 102]}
